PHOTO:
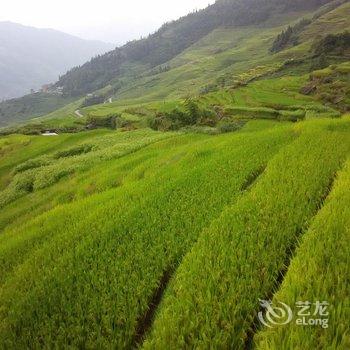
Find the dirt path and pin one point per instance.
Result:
(78, 114)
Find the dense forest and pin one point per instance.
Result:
(172, 38)
(333, 43)
(290, 36)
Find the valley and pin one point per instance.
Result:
(195, 174)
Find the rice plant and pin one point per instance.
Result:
(82, 275)
(214, 297)
(319, 272)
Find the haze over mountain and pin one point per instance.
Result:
(173, 38)
(31, 57)
(203, 51)
(110, 21)
(176, 191)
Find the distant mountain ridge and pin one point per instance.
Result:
(174, 37)
(31, 57)
(226, 43)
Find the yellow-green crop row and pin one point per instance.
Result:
(16, 149)
(41, 172)
(101, 176)
(83, 274)
(319, 272)
(109, 177)
(213, 300)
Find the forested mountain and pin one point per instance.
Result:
(31, 57)
(202, 51)
(195, 199)
(172, 38)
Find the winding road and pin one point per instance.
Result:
(78, 114)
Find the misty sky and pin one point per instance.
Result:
(115, 21)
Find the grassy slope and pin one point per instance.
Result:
(16, 149)
(155, 188)
(30, 106)
(227, 53)
(186, 182)
(99, 176)
(86, 240)
(42, 172)
(224, 50)
(231, 51)
(214, 297)
(323, 251)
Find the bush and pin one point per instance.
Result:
(104, 122)
(74, 151)
(332, 43)
(32, 164)
(292, 116)
(92, 100)
(230, 126)
(191, 114)
(208, 88)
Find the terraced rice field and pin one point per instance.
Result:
(323, 251)
(239, 259)
(167, 240)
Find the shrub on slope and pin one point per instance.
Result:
(42, 172)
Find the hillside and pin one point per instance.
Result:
(31, 57)
(220, 61)
(173, 38)
(161, 66)
(95, 224)
(196, 199)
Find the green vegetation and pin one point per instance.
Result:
(214, 296)
(330, 86)
(30, 106)
(41, 172)
(322, 252)
(195, 181)
(186, 184)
